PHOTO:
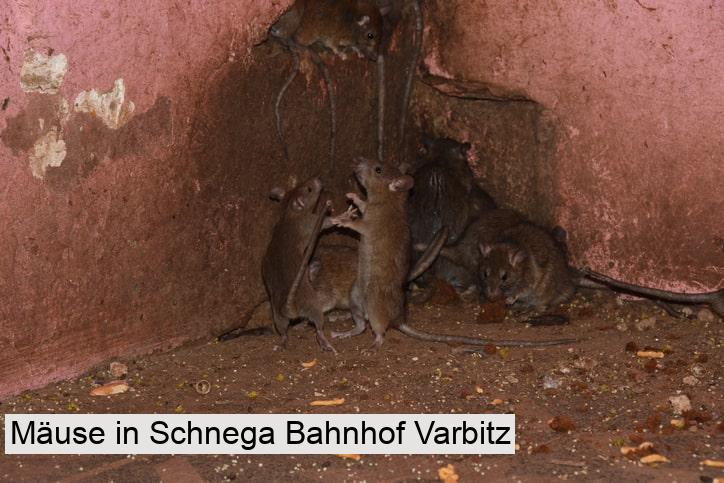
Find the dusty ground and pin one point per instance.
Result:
(611, 397)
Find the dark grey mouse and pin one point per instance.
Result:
(458, 262)
(287, 256)
(342, 27)
(377, 294)
(445, 194)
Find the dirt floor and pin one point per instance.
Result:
(577, 406)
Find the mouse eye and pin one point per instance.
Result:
(504, 276)
(309, 189)
(370, 35)
(378, 170)
(486, 273)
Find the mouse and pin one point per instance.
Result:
(330, 272)
(714, 299)
(313, 26)
(511, 259)
(287, 257)
(377, 294)
(525, 267)
(458, 263)
(445, 194)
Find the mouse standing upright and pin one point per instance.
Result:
(287, 257)
(378, 293)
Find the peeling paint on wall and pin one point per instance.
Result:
(43, 73)
(49, 150)
(109, 106)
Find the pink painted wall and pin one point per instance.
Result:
(149, 233)
(635, 94)
(130, 245)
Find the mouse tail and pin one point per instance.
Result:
(430, 255)
(676, 297)
(239, 330)
(280, 96)
(459, 339)
(306, 257)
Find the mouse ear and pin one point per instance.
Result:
(405, 168)
(277, 193)
(363, 20)
(402, 183)
(385, 9)
(516, 257)
(485, 249)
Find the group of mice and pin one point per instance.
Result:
(344, 28)
(448, 225)
(450, 220)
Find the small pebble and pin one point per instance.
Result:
(680, 403)
(690, 381)
(646, 324)
(706, 315)
(551, 382)
(118, 370)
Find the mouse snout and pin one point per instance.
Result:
(493, 294)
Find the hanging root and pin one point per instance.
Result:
(412, 68)
(280, 96)
(324, 71)
(380, 106)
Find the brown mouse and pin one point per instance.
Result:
(313, 26)
(287, 256)
(331, 273)
(526, 267)
(377, 294)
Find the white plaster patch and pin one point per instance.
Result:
(109, 106)
(49, 150)
(43, 73)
